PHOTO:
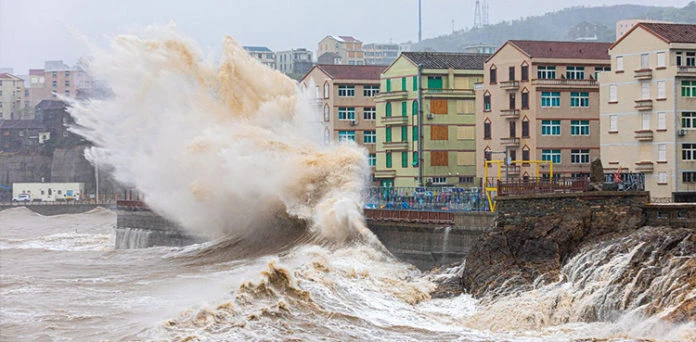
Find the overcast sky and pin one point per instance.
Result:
(32, 31)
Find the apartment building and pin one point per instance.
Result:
(426, 120)
(540, 101)
(262, 54)
(648, 108)
(380, 54)
(294, 62)
(346, 98)
(56, 79)
(12, 97)
(348, 48)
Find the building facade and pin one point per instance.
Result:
(263, 55)
(294, 62)
(54, 80)
(12, 97)
(539, 101)
(648, 107)
(345, 97)
(426, 120)
(380, 54)
(348, 48)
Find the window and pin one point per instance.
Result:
(67, 83)
(434, 82)
(579, 99)
(404, 159)
(403, 108)
(388, 83)
(387, 109)
(415, 159)
(579, 156)
(493, 75)
(511, 73)
(661, 60)
(415, 83)
(613, 123)
(346, 113)
(370, 137)
(525, 72)
(645, 90)
(466, 179)
(346, 90)
(403, 83)
(387, 134)
(525, 128)
(487, 130)
(487, 102)
(551, 127)
(661, 94)
(661, 121)
(599, 69)
(688, 88)
(327, 114)
(369, 113)
(54, 74)
(389, 160)
(27, 104)
(688, 120)
(689, 177)
(326, 90)
(414, 107)
(550, 99)
(67, 93)
(55, 84)
(644, 61)
(346, 136)
(525, 100)
(370, 90)
(579, 127)
(662, 178)
(546, 72)
(645, 122)
(404, 133)
(511, 101)
(525, 154)
(662, 152)
(575, 72)
(439, 180)
(613, 96)
(690, 59)
(372, 159)
(553, 156)
(688, 151)
(415, 133)
(619, 63)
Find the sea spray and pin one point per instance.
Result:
(217, 146)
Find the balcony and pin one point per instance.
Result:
(644, 104)
(511, 170)
(510, 113)
(645, 166)
(564, 83)
(510, 85)
(642, 74)
(510, 141)
(448, 93)
(392, 95)
(395, 120)
(644, 135)
(396, 146)
(385, 173)
(686, 71)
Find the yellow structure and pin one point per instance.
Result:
(426, 120)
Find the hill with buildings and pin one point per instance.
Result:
(575, 23)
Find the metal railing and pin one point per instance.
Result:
(530, 186)
(425, 198)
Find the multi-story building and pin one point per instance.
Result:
(539, 101)
(648, 108)
(426, 120)
(12, 97)
(348, 48)
(262, 54)
(56, 79)
(623, 26)
(18, 135)
(295, 62)
(380, 54)
(346, 98)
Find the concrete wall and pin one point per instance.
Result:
(58, 209)
(144, 228)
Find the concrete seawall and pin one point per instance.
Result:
(58, 209)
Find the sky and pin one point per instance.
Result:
(33, 31)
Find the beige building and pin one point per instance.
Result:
(648, 107)
(56, 79)
(426, 120)
(263, 55)
(346, 98)
(12, 97)
(347, 48)
(540, 102)
(623, 26)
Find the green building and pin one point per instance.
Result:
(426, 120)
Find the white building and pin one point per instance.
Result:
(48, 192)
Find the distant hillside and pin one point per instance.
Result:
(558, 25)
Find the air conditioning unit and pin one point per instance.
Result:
(430, 116)
(354, 122)
(682, 132)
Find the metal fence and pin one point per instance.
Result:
(627, 181)
(426, 198)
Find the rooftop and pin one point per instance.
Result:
(446, 60)
(352, 72)
(672, 33)
(257, 48)
(557, 49)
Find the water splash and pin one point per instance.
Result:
(217, 146)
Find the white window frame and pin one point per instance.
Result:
(644, 61)
(661, 60)
(546, 72)
(619, 63)
(551, 155)
(645, 121)
(688, 120)
(346, 113)
(552, 127)
(661, 120)
(613, 94)
(551, 96)
(613, 123)
(372, 159)
(662, 152)
(575, 72)
(579, 127)
(370, 137)
(661, 90)
(369, 113)
(326, 90)
(370, 90)
(688, 151)
(579, 156)
(327, 113)
(346, 90)
(662, 178)
(439, 180)
(344, 136)
(645, 90)
(581, 99)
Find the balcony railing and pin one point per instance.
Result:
(510, 141)
(644, 104)
(396, 145)
(510, 113)
(448, 93)
(385, 173)
(395, 120)
(643, 74)
(645, 166)
(509, 85)
(564, 82)
(644, 135)
(686, 71)
(392, 95)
